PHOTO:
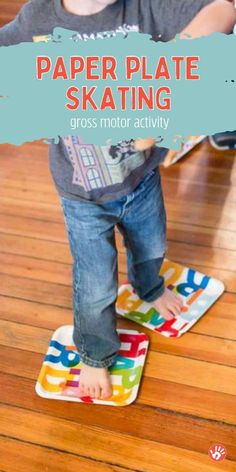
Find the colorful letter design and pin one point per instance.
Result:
(197, 290)
(59, 375)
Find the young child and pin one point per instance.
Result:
(107, 186)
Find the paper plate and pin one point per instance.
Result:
(59, 375)
(198, 291)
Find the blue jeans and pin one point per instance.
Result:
(140, 217)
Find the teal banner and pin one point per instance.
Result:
(117, 88)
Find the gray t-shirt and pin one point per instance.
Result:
(85, 171)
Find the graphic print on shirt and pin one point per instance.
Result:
(95, 166)
(123, 29)
(101, 166)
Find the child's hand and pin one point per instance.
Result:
(144, 144)
(217, 17)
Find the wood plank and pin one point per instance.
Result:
(102, 445)
(36, 248)
(180, 398)
(200, 235)
(198, 433)
(61, 253)
(221, 171)
(6, 18)
(36, 269)
(183, 191)
(25, 456)
(25, 191)
(54, 250)
(188, 172)
(188, 253)
(26, 185)
(210, 215)
(191, 170)
(159, 394)
(191, 372)
(44, 211)
(220, 320)
(164, 366)
(33, 228)
(195, 346)
(58, 272)
(179, 232)
(34, 313)
(11, 7)
(226, 276)
(36, 290)
(22, 290)
(40, 173)
(216, 321)
(19, 158)
(201, 255)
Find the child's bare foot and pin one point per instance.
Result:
(94, 382)
(168, 304)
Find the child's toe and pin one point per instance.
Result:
(167, 315)
(106, 392)
(175, 310)
(97, 392)
(91, 392)
(86, 391)
(81, 391)
(179, 301)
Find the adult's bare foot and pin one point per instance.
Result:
(168, 305)
(95, 383)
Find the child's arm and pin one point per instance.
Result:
(219, 16)
(20, 29)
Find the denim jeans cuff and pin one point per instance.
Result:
(98, 364)
(155, 294)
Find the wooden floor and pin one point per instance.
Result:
(187, 400)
